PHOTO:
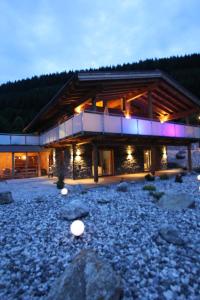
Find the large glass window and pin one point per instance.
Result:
(20, 164)
(32, 164)
(5, 164)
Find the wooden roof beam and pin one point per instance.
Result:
(177, 96)
(165, 103)
(182, 114)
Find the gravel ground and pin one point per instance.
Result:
(36, 245)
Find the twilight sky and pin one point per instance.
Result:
(46, 36)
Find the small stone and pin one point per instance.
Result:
(122, 187)
(74, 209)
(170, 235)
(6, 198)
(176, 201)
(168, 295)
(103, 200)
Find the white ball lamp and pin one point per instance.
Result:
(77, 228)
(64, 191)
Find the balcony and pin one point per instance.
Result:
(18, 139)
(114, 124)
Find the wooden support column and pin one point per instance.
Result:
(187, 121)
(94, 103)
(123, 104)
(39, 165)
(150, 106)
(189, 158)
(153, 159)
(73, 161)
(13, 164)
(95, 161)
(155, 162)
(26, 165)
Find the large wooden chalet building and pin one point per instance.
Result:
(104, 123)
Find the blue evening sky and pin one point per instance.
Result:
(46, 36)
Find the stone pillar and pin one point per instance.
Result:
(95, 161)
(60, 162)
(189, 157)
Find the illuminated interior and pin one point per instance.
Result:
(25, 164)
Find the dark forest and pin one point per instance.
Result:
(21, 100)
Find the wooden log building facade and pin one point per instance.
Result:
(105, 123)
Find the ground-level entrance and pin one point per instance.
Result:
(105, 162)
(105, 156)
(147, 159)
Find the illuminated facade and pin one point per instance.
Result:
(107, 123)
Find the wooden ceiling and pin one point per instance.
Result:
(168, 97)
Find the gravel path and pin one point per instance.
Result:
(36, 245)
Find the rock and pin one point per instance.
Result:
(156, 195)
(74, 209)
(122, 187)
(79, 188)
(103, 200)
(6, 198)
(39, 199)
(176, 201)
(88, 277)
(171, 235)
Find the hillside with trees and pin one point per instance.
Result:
(20, 101)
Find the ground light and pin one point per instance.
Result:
(198, 177)
(77, 228)
(64, 191)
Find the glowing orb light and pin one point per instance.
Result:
(198, 177)
(77, 228)
(64, 191)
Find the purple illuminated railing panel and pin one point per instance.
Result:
(103, 123)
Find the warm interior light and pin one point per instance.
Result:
(164, 153)
(77, 228)
(163, 118)
(64, 191)
(78, 109)
(23, 157)
(129, 156)
(127, 115)
(78, 152)
(77, 156)
(99, 103)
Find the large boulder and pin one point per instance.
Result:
(88, 277)
(6, 198)
(74, 209)
(176, 201)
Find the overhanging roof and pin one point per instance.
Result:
(168, 95)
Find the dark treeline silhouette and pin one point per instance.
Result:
(21, 100)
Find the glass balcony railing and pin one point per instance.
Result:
(115, 124)
(102, 123)
(18, 139)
